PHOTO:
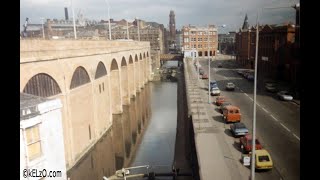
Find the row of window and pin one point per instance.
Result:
(199, 46)
(199, 33)
(199, 39)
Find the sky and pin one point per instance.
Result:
(195, 12)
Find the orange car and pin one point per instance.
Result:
(231, 114)
(220, 100)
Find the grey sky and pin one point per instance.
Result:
(195, 12)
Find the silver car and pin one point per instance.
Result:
(230, 86)
(285, 96)
(239, 129)
(215, 91)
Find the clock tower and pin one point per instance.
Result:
(172, 26)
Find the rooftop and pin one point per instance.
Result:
(29, 105)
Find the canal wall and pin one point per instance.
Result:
(209, 156)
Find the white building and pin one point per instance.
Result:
(41, 138)
(193, 53)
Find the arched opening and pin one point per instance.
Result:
(42, 85)
(79, 77)
(131, 78)
(136, 72)
(116, 98)
(125, 82)
(101, 70)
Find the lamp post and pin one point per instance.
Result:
(255, 93)
(208, 67)
(42, 27)
(74, 22)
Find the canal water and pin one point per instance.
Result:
(144, 134)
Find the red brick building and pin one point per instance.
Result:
(278, 53)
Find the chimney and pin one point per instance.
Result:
(66, 13)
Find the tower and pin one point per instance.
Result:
(245, 23)
(172, 26)
(66, 13)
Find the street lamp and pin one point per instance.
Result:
(109, 19)
(74, 22)
(208, 66)
(255, 93)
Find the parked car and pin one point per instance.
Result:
(204, 76)
(223, 105)
(215, 91)
(201, 71)
(220, 100)
(271, 87)
(230, 86)
(239, 129)
(213, 83)
(246, 143)
(263, 159)
(231, 114)
(284, 95)
(250, 77)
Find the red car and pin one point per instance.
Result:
(246, 143)
(220, 100)
(204, 76)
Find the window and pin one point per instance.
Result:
(99, 88)
(199, 46)
(103, 86)
(210, 33)
(33, 142)
(186, 39)
(205, 39)
(186, 33)
(263, 158)
(200, 33)
(199, 39)
(194, 46)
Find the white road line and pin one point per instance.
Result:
(258, 104)
(225, 77)
(241, 90)
(266, 110)
(246, 94)
(274, 118)
(250, 98)
(296, 136)
(285, 127)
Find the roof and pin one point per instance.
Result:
(232, 107)
(29, 105)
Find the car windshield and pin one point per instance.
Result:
(264, 158)
(240, 126)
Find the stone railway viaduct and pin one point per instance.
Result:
(93, 80)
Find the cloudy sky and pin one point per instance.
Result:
(195, 12)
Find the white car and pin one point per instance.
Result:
(230, 86)
(215, 91)
(284, 95)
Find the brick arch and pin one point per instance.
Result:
(136, 58)
(101, 70)
(114, 65)
(42, 85)
(123, 62)
(130, 60)
(80, 77)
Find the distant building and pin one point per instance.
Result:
(179, 40)
(196, 38)
(172, 27)
(41, 136)
(227, 43)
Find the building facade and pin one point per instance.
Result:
(196, 38)
(227, 43)
(41, 137)
(172, 26)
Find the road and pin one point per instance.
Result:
(277, 122)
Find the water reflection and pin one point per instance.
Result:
(118, 145)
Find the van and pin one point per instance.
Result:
(231, 114)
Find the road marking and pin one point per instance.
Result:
(296, 136)
(258, 104)
(251, 98)
(274, 118)
(285, 127)
(246, 94)
(225, 77)
(266, 110)
(241, 90)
